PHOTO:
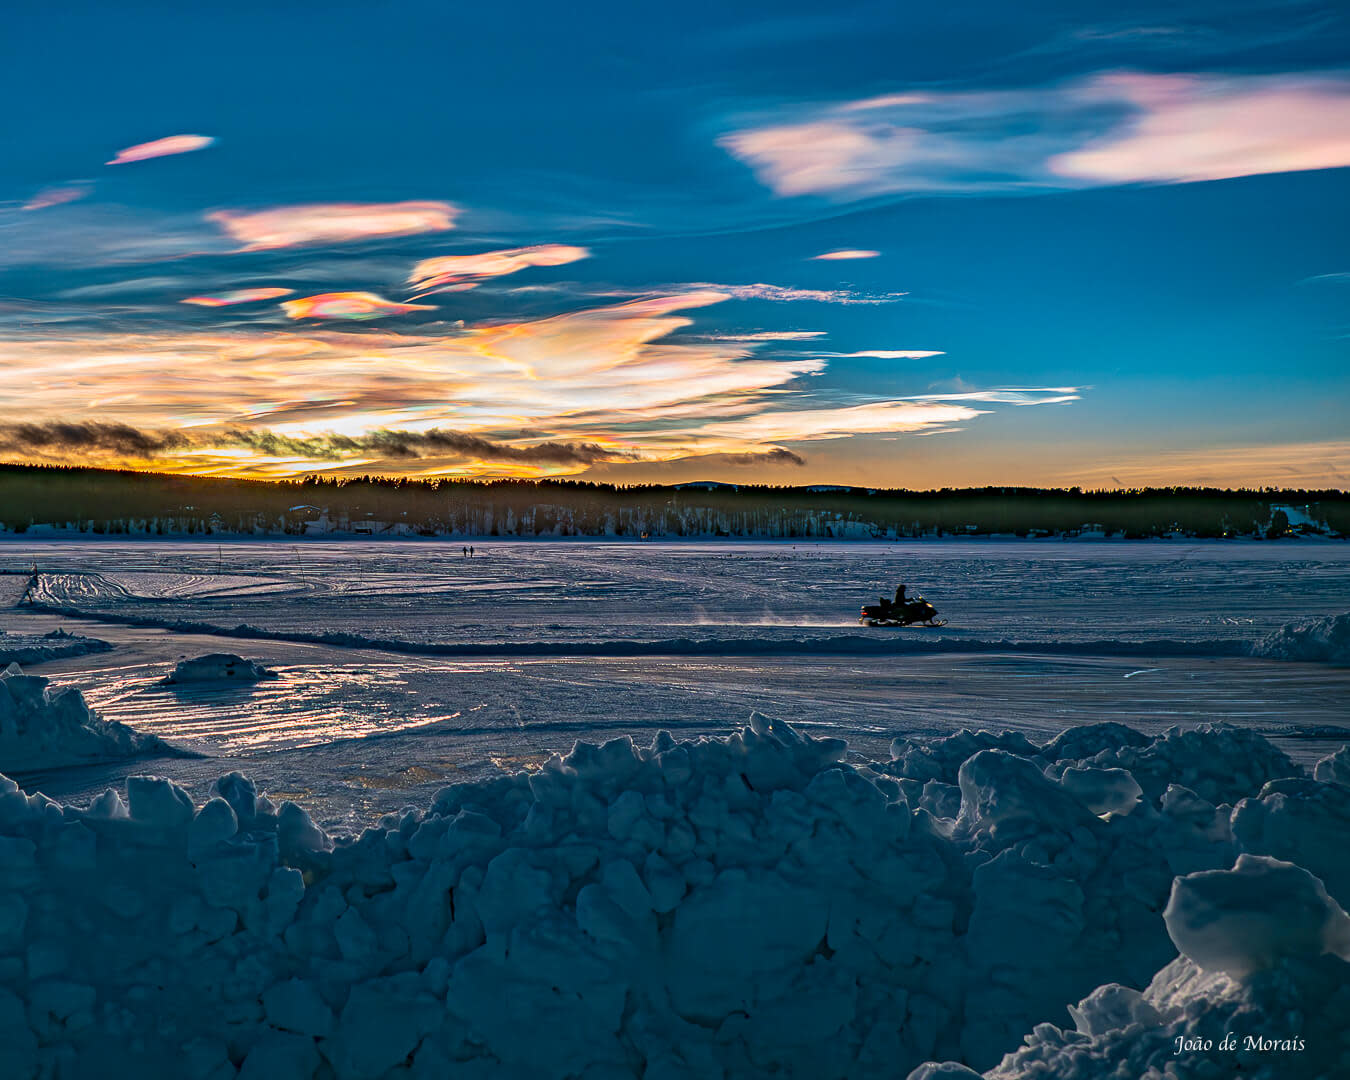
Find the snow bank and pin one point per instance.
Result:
(217, 667)
(42, 727)
(729, 907)
(35, 648)
(1313, 641)
(1261, 989)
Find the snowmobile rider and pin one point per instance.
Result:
(887, 605)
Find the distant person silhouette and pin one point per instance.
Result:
(465, 551)
(471, 551)
(900, 593)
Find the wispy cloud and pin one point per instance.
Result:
(348, 305)
(1111, 128)
(847, 253)
(448, 271)
(887, 354)
(786, 293)
(56, 196)
(331, 223)
(768, 335)
(811, 425)
(173, 144)
(1036, 395)
(237, 296)
(130, 286)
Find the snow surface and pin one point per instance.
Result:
(445, 667)
(46, 727)
(215, 668)
(1198, 599)
(728, 907)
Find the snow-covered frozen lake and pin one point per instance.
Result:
(406, 665)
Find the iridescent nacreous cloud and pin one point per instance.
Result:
(173, 144)
(446, 271)
(348, 305)
(237, 296)
(331, 223)
(847, 253)
(1108, 128)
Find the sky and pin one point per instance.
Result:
(885, 244)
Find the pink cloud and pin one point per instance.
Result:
(848, 253)
(348, 305)
(1191, 128)
(450, 271)
(173, 144)
(1110, 128)
(331, 223)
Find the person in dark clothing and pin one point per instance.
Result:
(900, 595)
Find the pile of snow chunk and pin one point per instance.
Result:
(731, 907)
(42, 727)
(217, 668)
(1311, 641)
(35, 648)
(1261, 989)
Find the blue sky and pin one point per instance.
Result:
(1084, 247)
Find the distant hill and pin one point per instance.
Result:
(51, 500)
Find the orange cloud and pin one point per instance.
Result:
(347, 305)
(173, 144)
(331, 223)
(449, 271)
(238, 296)
(609, 377)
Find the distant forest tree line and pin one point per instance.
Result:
(101, 501)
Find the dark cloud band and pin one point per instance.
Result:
(115, 438)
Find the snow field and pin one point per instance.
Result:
(727, 907)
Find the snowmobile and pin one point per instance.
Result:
(916, 611)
